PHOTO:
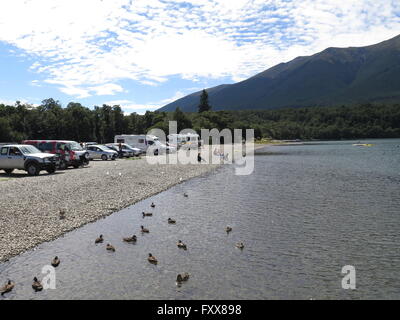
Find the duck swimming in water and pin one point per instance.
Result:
(7, 287)
(152, 205)
(130, 239)
(55, 262)
(36, 285)
(185, 195)
(228, 229)
(109, 247)
(182, 277)
(240, 245)
(144, 230)
(152, 259)
(171, 221)
(181, 245)
(99, 239)
(146, 214)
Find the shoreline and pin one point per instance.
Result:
(31, 216)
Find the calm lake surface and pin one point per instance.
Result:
(304, 213)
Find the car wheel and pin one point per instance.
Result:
(8, 171)
(33, 169)
(51, 170)
(104, 157)
(76, 166)
(62, 165)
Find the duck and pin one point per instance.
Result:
(144, 230)
(152, 259)
(146, 214)
(181, 245)
(99, 239)
(240, 245)
(109, 247)
(152, 205)
(182, 277)
(55, 262)
(130, 239)
(62, 214)
(185, 195)
(228, 229)
(36, 285)
(171, 221)
(7, 287)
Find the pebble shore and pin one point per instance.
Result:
(30, 206)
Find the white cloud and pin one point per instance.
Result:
(87, 47)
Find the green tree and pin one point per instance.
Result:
(204, 105)
(182, 120)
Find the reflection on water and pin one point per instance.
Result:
(306, 212)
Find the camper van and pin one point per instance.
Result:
(186, 141)
(143, 142)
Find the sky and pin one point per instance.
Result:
(143, 54)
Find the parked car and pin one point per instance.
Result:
(69, 152)
(101, 152)
(125, 152)
(26, 157)
(128, 149)
(143, 142)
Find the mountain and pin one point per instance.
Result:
(332, 77)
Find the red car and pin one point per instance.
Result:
(70, 152)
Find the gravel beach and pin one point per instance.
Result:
(30, 206)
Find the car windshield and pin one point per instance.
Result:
(104, 148)
(75, 146)
(29, 149)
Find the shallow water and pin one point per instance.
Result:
(304, 213)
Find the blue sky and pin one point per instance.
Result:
(143, 54)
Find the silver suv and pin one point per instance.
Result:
(26, 157)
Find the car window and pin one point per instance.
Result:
(151, 142)
(14, 151)
(45, 146)
(141, 140)
(4, 151)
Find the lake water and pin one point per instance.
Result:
(304, 213)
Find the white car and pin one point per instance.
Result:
(101, 152)
(26, 157)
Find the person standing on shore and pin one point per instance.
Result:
(199, 158)
(120, 150)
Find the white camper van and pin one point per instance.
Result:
(188, 140)
(143, 142)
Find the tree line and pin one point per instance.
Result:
(76, 122)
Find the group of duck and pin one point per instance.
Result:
(152, 259)
(37, 285)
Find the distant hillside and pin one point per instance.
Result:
(331, 77)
